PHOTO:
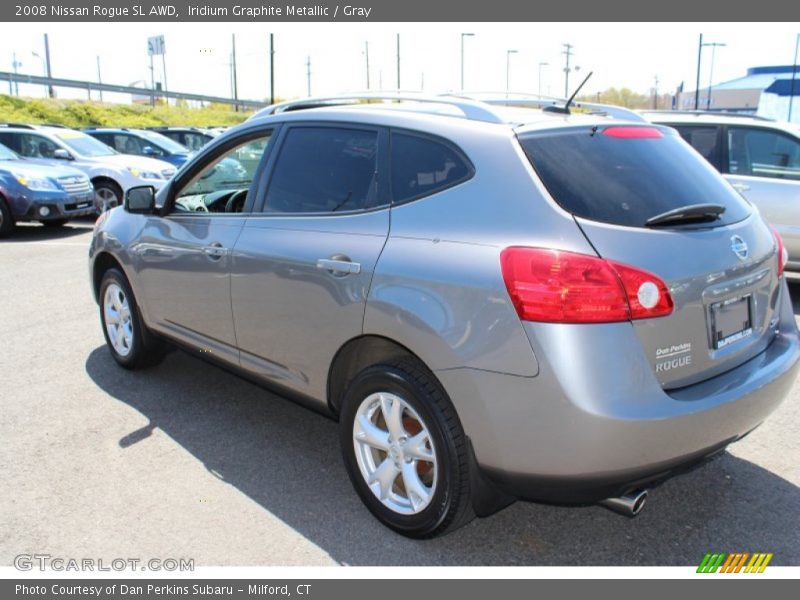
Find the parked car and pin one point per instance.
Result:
(190, 137)
(141, 142)
(32, 192)
(112, 174)
(759, 157)
(495, 303)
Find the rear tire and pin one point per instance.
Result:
(127, 337)
(6, 219)
(405, 450)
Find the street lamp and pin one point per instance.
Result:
(541, 64)
(713, 46)
(508, 68)
(463, 35)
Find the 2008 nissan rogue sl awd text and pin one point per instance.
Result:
(495, 302)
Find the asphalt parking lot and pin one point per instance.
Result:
(186, 460)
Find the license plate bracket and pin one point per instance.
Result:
(731, 321)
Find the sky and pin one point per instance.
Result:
(198, 55)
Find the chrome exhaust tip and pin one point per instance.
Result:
(630, 505)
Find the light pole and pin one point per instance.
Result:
(463, 35)
(508, 69)
(541, 64)
(15, 64)
(398, 62)
(99, 78)
(794, 76)
(714, 46)
(366, 55)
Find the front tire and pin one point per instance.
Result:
(6, 219)
(108, 195)
(405, 450)
(128, 339)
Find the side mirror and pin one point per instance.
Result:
(150, 151)
(62, 154)
(141, 200)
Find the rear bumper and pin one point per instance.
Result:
(595, 422)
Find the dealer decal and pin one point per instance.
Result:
(673, 357)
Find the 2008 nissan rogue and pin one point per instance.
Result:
(495, 302)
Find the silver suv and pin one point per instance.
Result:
(495, 302)
(112, 174)
(759, 157)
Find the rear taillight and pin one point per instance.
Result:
(783, 254)
(565, 287)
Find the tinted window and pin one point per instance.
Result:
(702, 139)
(422, 166)
(626, 181)
(763, 153)
(324, 169)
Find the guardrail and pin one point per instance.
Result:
(90, 86)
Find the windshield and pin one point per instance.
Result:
(6, 154)
(163, 142)
(627, 175)
(85, 145)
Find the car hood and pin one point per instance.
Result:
(29, 169)
(138, 162)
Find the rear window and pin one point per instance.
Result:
(627, 179)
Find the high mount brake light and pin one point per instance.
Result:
(633, 133)
(565, 287)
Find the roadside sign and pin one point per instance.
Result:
(155, 46)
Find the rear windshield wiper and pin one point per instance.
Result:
(691, 213)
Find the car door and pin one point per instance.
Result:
(303, 264)
(183, 257)
(764, 165)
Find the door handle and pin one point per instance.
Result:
(741, 187)
(341, 266)
(215, 251)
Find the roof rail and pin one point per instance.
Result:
(473, 110)
(17, 125)
(712, 113)
(616, 112)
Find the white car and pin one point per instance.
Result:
(759, 157)
(111, 173)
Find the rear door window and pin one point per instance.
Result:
(762, 153)
(626, 175)
(422, 166)
(324, 170)
(704, 140)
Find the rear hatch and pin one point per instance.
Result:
(718, 260)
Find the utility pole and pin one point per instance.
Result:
(99, 78)
(398, 62)
(271, 69)
(714, 46)
(50, 92)
(366, 55)
(794, 76)
(233, 73)
(15, 64)
(655, 94)
(697, 85)
(152, 83)
(463, 35)
(164, 70)
(567, 52)
(308, 75)
(541, 64)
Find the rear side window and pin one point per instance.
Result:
(626, 177)
(324, 169)
(762, 153)
(422, 166)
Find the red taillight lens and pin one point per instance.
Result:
(783, 254)
(565, 287)
(633, 133)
